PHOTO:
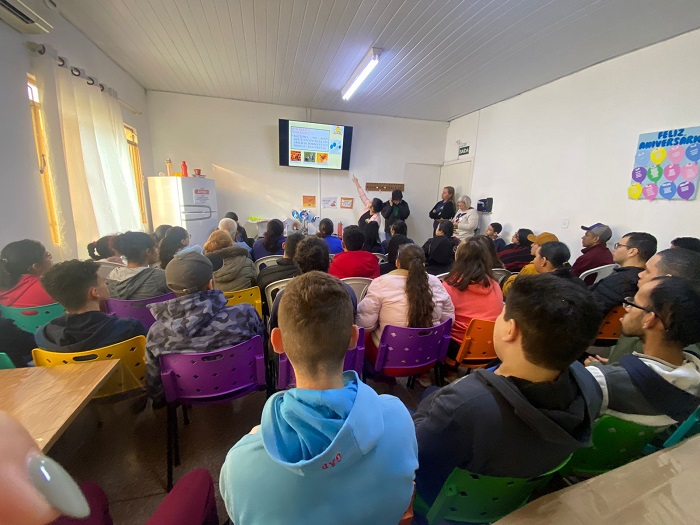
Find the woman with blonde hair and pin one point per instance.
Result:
(466, 220)
(238, 270)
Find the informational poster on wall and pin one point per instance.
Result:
(666, 165)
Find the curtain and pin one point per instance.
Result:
(89, 158)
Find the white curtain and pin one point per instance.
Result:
(89, 160)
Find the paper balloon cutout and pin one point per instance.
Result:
(654, 173)
(667, 190)
(689, 171)
(658, 155)
(672, 171)
(676, 154)
(686, 190)
(693, 152)
(639, 174)
(650, 191)
(634, 191)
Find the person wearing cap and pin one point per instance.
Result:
(197, 320)
(394, 210)
(529, 268)
(595, 253)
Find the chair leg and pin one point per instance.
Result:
(185, 415)
(411, 383)
(176, 438)
(170, 447)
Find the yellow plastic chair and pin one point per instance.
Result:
(249, 295)
(131, 354)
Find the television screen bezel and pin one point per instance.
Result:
(283, 127)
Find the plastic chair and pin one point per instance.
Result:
(359, 285)
(472, 498)
(501, 274)
(270, 260)
(610, 327)
(476, 350)
(411, 351)
(442, 276)
(6, 363)
(354, 359)
(106, 268)
(689, 428)
(272, 289)
(209, 378)
(130, 376)
(248, 295)
(137, 309)
(601, 272)
(382, 258)
(31, 319)
(616, 442)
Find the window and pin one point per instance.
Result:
(42, 157)
(133, 141)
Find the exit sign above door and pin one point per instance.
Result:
(463, 150)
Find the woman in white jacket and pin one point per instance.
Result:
(407, 296)
(466, 220)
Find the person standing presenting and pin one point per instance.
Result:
(394, 210)
(445, 209)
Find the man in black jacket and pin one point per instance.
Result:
(631, 253)
(394, 210)
(535, 410)
(285, 268)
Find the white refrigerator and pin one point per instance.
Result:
(189, 202)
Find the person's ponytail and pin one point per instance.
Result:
(92, 251)
(420, 298)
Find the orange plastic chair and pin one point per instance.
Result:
(131, 354)
(249, 295)
(610, 328)
(476, 350)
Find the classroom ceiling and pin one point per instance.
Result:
(441, 59)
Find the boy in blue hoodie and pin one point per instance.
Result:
(534, 410)
(330, 450)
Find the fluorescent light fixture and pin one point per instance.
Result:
(361, 73)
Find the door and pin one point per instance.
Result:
(421, 185)
(459, 176)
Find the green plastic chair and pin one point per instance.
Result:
(473, 498)
(5, 361)
(31, 319)
(616, 442)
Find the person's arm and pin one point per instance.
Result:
(363, 196)
(509, 282)
(386, 210)
(610, 291)
(434, 214)
(448, 211)
(403, 214)
(369, 308)
(471, 219)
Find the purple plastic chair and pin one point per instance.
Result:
(354, 359)
(137, 309)
(411, 351)
(209, 378)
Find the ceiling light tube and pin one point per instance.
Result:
(361, 73)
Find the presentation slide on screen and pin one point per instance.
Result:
(315, 145)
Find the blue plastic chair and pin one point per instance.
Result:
(31, 319)
(685, 430)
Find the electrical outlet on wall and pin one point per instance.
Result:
(565, 223)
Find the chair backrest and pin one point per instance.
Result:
(131, 354)
(685, 430)
(601, 272)
(477, 348)
(5, 361)
(442, 276)
(412, 349)
(249, 295)
(106, 268)
(137, 309)
(214, 377)
(615, 442)
(611, 326)
(272, 289)
(270, 260)
(501, 274)
(31, 319)
(359, 285)
(473, 498)
(354, 359)
(382, 258)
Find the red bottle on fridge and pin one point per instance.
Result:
(184, 169)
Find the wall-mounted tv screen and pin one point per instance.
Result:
(312, 145)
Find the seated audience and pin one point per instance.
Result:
(489, 246)
(137, 280)
(398, 228)
(285, 268)
(331, 450)
(242, 234)
(374, 207)
(397, 240)
(325, 232)
(159, 233)
(517, 254)
(354, 261)
(474, 292)
(531, 413)
(271, 243)
(466, 220)
(407, 296)
(440, 250)
(311, 255)
(197, 320)
(688, 243)
(230, 227)
(175, 240)
(651, 388)
(529, 268)
(492, 232)
(553, 258)
(595, 253)
(631, 254)
(81, 291)
(16, 343)
(103, 250)
(371, 243)
(238, 270)
(22, 263)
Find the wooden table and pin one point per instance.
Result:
(46, 400)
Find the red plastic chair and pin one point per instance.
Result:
(354, 360)
(408, 352)
(476, 350)
(137, 309)
(209, 378)
(611, 326)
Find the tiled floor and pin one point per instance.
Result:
(126, 456)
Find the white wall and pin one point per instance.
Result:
(236, 143)
(563, 153)
(21, 199)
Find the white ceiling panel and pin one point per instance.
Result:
(441, 58)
